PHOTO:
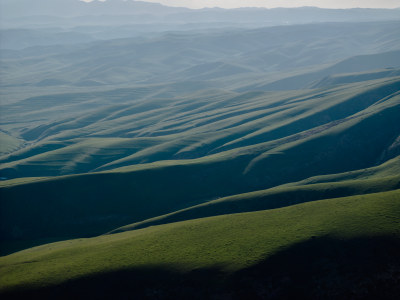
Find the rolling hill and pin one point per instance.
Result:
(336, 133)
(234, 163)
(148, 131)
(233, 255)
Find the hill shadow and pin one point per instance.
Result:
(319, 268)
(326, 268)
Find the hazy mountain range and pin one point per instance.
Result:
(72, 13)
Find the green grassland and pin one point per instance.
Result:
(242, 163)
(228, 243)
(340, 130)
(240, 145)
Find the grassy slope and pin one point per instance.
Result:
(371, 180)
(228, 243)
(189, 155)
(9, 143)
(153, 130)
(272, 198)
(91, 204)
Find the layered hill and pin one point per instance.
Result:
(207, 126)
(242, 163)
(248, 145)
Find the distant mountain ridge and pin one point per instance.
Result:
(76, 7)
(73, 8)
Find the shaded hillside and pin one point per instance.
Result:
(332, 131)
(345, 247)
(270, 199)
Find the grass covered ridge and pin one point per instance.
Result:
(226, 243)
(277, 197)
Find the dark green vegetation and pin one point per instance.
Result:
(228, 163)
(312, 250)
